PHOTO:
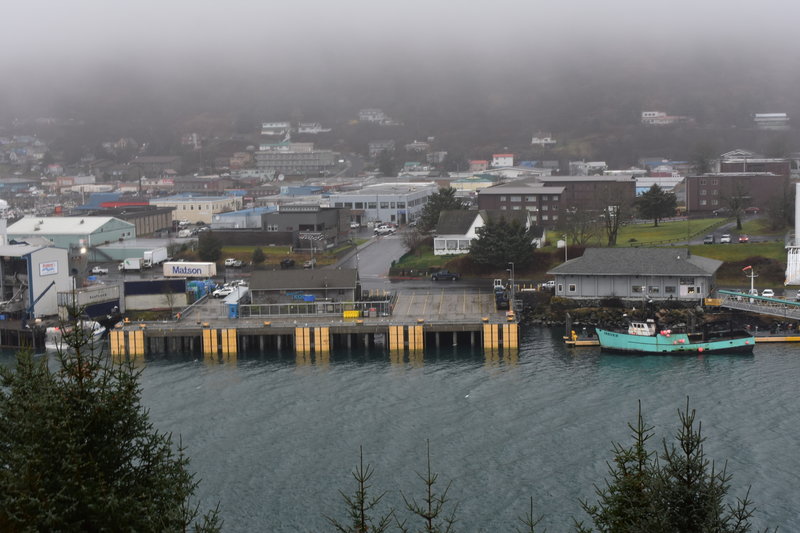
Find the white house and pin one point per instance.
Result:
(502, 160)
(456, 229)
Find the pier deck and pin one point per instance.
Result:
(452, 315)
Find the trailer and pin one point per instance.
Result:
(153, 257)
(182, 269)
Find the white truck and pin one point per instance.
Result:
(156, 256)
(132, 263)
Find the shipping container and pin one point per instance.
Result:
(189, 270)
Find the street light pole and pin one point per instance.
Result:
(565, 247)
(511, 271)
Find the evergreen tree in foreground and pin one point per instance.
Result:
(78, 452)
(681, 491)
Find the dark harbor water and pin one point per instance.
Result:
(275, 437)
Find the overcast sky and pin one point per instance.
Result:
(77, 44)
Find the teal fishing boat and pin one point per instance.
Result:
(642, 338)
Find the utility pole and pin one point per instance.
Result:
(511, 294)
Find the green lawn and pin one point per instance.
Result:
(740, 252)
(647, 233)
(760, 226)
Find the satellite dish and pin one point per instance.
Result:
(281, 177)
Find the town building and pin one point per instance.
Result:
(372, 115)
(294, 158)
(746, 161)
(636, 274)
(456, 229)
(771, 121)
(311, 128)
(243, 219)
(323, 285)
(543, 140)
(275, 129)
(64, 232)
(154, 166)
(196, 208)
(398, 202)
(711, 192)
(147, 219)
(30, 278)
(548, 196)
(478, 165)
(502, 160)
(660, 118)
(311, 226)
(376, 148)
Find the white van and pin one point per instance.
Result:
(185, 233)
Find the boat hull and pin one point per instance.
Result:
(674, 344)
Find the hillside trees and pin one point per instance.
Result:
(79, 453)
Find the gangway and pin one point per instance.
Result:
(760, 304)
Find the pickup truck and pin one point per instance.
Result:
(444, 274)
(385, 230)
(99, 270)
(234, 263)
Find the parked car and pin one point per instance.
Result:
(709, 239)
(725, 239)
(99, 270)
(444, 274)
(287, 263)
(222, 292)
(355, 225)
(233, 262)
(384, 230)
(769, 293)
(549, 284)
(311, 263)
(744, 239)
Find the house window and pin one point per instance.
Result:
(637, 289)
(392, 205)
(372, 205)
(560, 288)
(715, 192)
(571, 287)
(703, 192)
(401, 205)
(384, 205)
(545, 207)
(555, 217)
(554, 197)
(689, 290)
(714, 182)
(338, 204)
(686, 281)
(502, 198)
(703, 182)
(502, 208)
(439, 244)
(516, 207)
(544, 217)
(669, 289)
(530, 198)
(516, 198)
(359, 205)
(714, 202)
(652, 289)
(463, 244)
(702, 202)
